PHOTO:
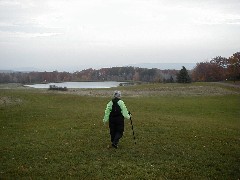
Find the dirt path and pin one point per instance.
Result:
(237, 85)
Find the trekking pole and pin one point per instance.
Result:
(132, 129)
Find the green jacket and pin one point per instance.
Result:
(109, 109)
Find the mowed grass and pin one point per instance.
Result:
(48, 135)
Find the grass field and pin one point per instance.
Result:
(182, 131)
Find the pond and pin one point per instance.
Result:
(104, 84)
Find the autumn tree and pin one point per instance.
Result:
(220, 61)
(215, 70)
(207, 71)
(233, 67)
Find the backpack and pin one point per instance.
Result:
(116, 110)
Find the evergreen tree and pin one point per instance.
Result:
(183, 77)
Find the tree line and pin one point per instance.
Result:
(217, 69)
(104, 74)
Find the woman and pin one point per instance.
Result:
(115, 113)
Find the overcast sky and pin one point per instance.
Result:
(76, 34)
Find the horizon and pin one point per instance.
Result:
(61, 35)
(161, 66)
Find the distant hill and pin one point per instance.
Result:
(27, 69)
(23, 69)
(6, 71)
(163, 66)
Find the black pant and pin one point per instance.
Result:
(116, 125)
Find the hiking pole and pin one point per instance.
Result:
(132, 129)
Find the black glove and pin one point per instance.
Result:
(129, 113)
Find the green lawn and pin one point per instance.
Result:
(47, 135)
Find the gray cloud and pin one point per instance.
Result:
(56, 33)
